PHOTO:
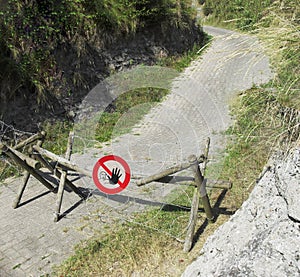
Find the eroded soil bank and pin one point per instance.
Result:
(80, 73)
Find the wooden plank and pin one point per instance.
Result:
(30, 140)
(167, 172)
(62, 161)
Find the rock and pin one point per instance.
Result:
(263, 237)
(289, 184)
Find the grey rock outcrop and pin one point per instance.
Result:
(263, 237)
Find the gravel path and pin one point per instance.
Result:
(30, 243)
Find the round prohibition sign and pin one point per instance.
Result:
(101, 163)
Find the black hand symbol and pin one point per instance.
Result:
(115, 176)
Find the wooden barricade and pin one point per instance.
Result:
(33, 162)
(200, 192)
(39, 157)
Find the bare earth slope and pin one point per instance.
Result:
(197, 107)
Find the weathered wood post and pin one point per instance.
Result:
(21, 190)
(200, 191)
(63, 177)
(203, 192)
(194, 207)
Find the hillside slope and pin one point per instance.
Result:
(54, 52)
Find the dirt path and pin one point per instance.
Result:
(30, 243)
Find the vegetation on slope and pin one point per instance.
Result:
(32, 31)
(238, 13)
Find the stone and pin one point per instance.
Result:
(289, 184)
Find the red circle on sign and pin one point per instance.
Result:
(101, 163)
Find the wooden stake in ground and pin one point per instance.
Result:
(63, 177)
(200, 191)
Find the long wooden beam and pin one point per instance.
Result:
(31, 162)
(167, 172)
(64, 162)
(30, 140)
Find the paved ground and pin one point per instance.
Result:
(30, 243)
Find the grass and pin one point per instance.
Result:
(57, 136)
(145, 245)
(8, 169)
(238, 13)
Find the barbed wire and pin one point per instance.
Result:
(8, 133)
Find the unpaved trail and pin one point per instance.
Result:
(196, 108)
